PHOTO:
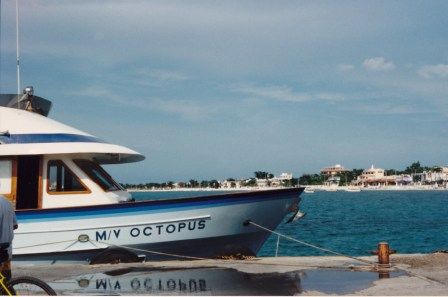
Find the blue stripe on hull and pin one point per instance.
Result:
(155, 206)
(47, 138)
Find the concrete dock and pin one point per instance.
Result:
(416, 274)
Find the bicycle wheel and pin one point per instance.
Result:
(27, 285)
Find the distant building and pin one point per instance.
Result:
(333, 170)
(284, 176)
(374, 177)
(403, 179)
(332, 173)
(433, 177)
(276, 181)
(228, 184)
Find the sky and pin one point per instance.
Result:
(220, 89)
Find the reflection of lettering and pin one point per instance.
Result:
(135, 284)
(202, 285)
(117, 285)
(193, 286)
(101, 283)
(171, 284)
(146, 285)
(182, 286)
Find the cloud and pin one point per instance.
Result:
(187, 109)
(378, 64)
(385, 108)
(346, 67)
(428, 71)
(284, 93)
(162, 75)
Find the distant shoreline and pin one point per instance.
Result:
(313, 187)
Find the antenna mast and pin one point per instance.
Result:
(17, 48)
(0, 46)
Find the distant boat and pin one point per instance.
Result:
(353, 189)
(331, 189)
(308, 190)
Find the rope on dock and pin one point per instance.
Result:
(310, 245)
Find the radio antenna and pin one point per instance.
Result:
(17, 47)
(0, 46)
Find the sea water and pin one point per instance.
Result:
(354, 222)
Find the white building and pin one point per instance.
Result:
(436, 177)
(276, 181)
(374, 177)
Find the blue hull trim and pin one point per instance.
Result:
(47, 138)
(155, 206)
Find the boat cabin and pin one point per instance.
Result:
(46, 164)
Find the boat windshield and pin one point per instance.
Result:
(98, 175)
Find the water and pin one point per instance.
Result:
(354, 223)
(215, 282)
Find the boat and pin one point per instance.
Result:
(352, 189)
(331, 189)
(70, 209)
(308, 190)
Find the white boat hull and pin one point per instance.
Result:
(209, 226)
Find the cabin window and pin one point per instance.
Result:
(61, 180)
(5, 176)
(98, 175)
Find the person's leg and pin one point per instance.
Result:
(6, 269)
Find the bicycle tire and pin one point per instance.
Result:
(28, 285)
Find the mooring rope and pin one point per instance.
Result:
(340, 254)
(309, 244)
(48, 243)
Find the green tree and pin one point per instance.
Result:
(214, 184)
(251, 182)
(311, 179)
(263, 175)
(414, 168)
(193, 183)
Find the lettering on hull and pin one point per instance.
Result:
(152, 230)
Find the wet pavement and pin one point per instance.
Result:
(216, 281)
(282, 276)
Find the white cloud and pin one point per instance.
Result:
(378, 64)
(187, 109)
(165, 75)
(428, 71)
(385, 108)
(346, 67)
(284, 93)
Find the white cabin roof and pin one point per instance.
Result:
(27, 133)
